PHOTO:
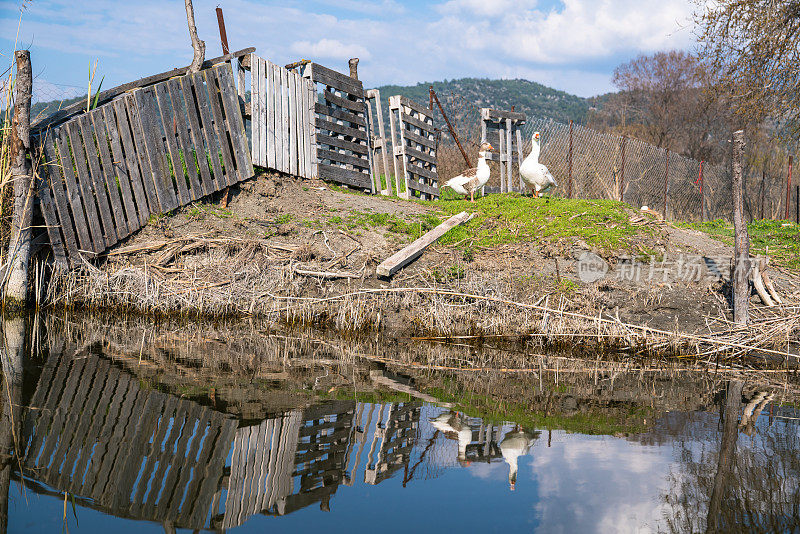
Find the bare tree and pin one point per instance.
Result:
(752, 47)
(198, 45)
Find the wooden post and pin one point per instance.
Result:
(483, 140)
(569, 166)
(500, 156)
(19, 247)
(788, 189)
(509, 160)
(198, 46)
(666, 180)
(353, 63)
(622, 171)
(519, 156)
(740, 281)
(223, 35)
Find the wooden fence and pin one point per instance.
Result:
(502, 129)
(392, 442)
(93, 432)
(282, 111)
(378, 145)
(414, 142)
(104, 173)
(342, 143)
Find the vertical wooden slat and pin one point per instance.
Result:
(286, 166)
(70, 131)
(60, 198)
(118, 384)
(98, 184)
(292, 107)
(177, 99)
(256, 143)
(114, 164)
(191, 98)
(312, 121)
(99, 124)
(520, 157)
(231, 174)
(127, 162)
(140, 151)
(164, 106)
(234, 122)
(270, 105)
(208, 130)
(152, 135)
(279, 163)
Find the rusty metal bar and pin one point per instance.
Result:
(223, 35)
(450, 126)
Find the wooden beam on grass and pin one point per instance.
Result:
(405, 256)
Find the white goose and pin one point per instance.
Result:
(455, 426)
(472, 179)
(534, 173)
(515, 444)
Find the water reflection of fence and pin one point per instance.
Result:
(93, 431)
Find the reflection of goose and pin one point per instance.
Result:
(515, 444)
(455, 426)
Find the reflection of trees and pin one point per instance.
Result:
(730, 483)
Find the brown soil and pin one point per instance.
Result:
(276, 225)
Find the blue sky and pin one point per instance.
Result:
(572, 45)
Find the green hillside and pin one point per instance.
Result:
(531, 98)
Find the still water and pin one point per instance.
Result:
(105, 437)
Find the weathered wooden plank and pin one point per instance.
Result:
(291, 87)
(421, 139)
(235, 122)
(345, 176)
(207, 127)
(342, 158)
(176, 99)
(153, 134)
(340, 114)
(114, 92)
(104, 451)
(326, 140)
(286, 119)
(141, 154)
(161, 93)
(118, 170)
(417, 123)
(207, 181)
(419, 108)
(335, 79)
(97, 119)
(55, 184)
(421, 171)
(411, 252)
(130, 162)
(497, 115)
(326, 125)
(72, 132)
(51, 221)
(308, 119)
(421, 155)
(220, 130)
(98, 184)
(352, 105)
(416, 185)
(300, 123)
(271, 106)
(256, 123)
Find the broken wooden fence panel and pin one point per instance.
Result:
(408, 254)
(414, 148)
(163, 146)
(340, 128)
(377, 138)
(281, 134)
(502, 129)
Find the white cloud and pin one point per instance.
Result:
(330, 49)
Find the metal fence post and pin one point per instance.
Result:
(666, 180)
(788, 189)
(622, 172)
(569, 182)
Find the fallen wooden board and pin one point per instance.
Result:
(405, 256)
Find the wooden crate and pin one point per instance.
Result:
(342, 144)
(105, 172)
(414, 142)
(281, 115)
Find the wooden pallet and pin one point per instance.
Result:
(414, 142)
(104, 173)
(282, 112)
(342, 143)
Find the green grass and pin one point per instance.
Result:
(781, 237)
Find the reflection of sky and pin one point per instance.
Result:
(578, 484)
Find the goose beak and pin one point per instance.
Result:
(491, 147)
